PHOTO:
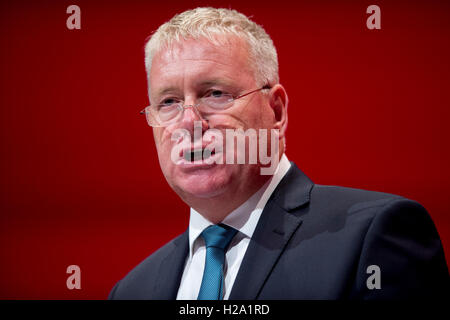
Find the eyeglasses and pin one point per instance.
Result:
(171, 110)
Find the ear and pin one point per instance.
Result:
(279, 104)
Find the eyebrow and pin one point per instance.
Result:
(213, 82)
(202, 84)
(167, 90)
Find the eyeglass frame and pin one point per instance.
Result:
(194, 107)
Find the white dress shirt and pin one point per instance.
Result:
(244, 219)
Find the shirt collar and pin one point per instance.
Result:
(246, 216)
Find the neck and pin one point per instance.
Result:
(216, 209)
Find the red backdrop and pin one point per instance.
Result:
(79, 178)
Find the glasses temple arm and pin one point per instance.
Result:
(246, 94)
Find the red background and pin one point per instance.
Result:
(79, 178)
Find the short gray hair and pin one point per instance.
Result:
(208, 22)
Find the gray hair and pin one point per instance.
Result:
(208, 22)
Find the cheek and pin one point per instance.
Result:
(258, 115)
(163, 148)
(157, 138)
(225, 121)
(162, 140)
(256, 120)
(266, 117)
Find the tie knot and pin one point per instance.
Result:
(218, 236)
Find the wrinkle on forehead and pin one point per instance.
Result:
(204, 50)
(202, 57)
(207, 45)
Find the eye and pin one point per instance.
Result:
(216, 94)
(217, 99)
(168, 109)
(168, 102)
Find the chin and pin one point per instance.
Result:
(203, 193)
(202, 184)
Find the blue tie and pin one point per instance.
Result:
(217, 238)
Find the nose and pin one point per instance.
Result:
(190, 113)
(192, 118)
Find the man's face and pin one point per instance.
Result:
(188, 71)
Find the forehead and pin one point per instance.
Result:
(192, 61)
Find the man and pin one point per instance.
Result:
(254, 235)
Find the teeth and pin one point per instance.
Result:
(187, 156)
(198, 155)
(193, 155)
(207, 153)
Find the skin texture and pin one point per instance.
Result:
(189, 69)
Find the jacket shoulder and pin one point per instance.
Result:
(344, 195)
(139, 282)
(395, 234)
(349, 201)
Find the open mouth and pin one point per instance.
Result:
(198, 154)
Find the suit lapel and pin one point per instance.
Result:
(171, 269)
(275, 227)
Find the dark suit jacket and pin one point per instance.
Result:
(316, 242)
